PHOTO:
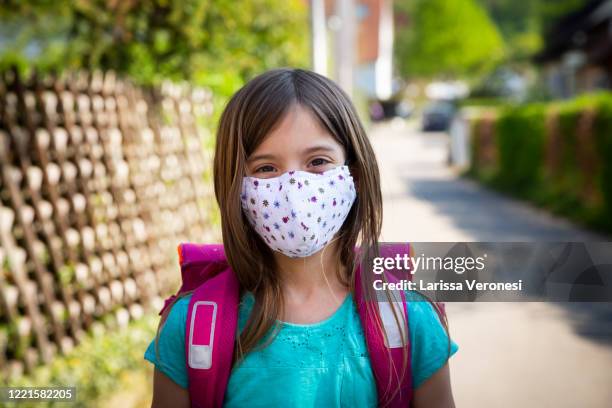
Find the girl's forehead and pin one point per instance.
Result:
(299, 129)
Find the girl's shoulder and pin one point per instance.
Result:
(431, 345)
(168, 355)
(182, 303)
(177, 315)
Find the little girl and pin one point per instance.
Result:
(300, 342)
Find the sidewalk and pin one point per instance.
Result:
(510, 354)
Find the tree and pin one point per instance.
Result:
(523, 23)
(219, 43)
(446, 38)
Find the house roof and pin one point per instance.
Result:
(580, 29)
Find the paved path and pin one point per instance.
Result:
(510, 354)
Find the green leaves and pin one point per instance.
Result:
(66, 274)
(98, 365)
(523, 24)
(215, 43)
(520, 144)
(469, 37)
(557, 155)
(447, 38)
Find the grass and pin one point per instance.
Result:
(107, 368)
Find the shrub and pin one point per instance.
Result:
(98, 366)
(603, 140)
(520, 140)
(558, 155)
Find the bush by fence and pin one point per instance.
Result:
(99, 180)
(558, 155)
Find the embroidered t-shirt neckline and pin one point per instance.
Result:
(328, 320)
(335, 315)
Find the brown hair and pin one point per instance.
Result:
(250, 115)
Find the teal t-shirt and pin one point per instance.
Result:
(320, 364)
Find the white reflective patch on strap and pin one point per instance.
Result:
(396, 336)
(200, 356)
(203, 319)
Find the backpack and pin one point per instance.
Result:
(212, 320)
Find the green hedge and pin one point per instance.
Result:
(542, 151)
(520, 152)
(569, 174)
(603, 130)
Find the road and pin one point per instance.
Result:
(510, 354)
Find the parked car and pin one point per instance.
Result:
(383, 110)
(437, 116)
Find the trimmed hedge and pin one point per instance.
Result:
(558, 155)
(603, 128)
(520, 153)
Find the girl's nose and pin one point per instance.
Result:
(293, 166)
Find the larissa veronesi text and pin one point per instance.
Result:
(470, 284)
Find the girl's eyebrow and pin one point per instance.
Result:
(264, 156)
(268, 156)
(324, 148)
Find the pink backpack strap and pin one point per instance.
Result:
(198, 264)
(387, 359)
(212, 320)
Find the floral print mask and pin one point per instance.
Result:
(298, 212)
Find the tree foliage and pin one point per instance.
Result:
(446, 38)
(524, 23)
(467, 37)
(219, 43)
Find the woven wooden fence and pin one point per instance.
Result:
(99, 181)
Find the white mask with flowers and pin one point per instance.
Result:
(298, 212)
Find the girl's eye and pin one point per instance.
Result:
(319, 161)
(264, 169)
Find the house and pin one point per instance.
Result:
(577, 56)
(374, 71)
(353, 44)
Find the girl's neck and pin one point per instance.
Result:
(308, 278)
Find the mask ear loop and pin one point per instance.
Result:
(346, 163)
(323, 271)
(338, 302)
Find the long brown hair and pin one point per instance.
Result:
(250, 115)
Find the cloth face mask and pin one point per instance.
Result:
(298, 212)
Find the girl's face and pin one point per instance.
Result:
(299, 142)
